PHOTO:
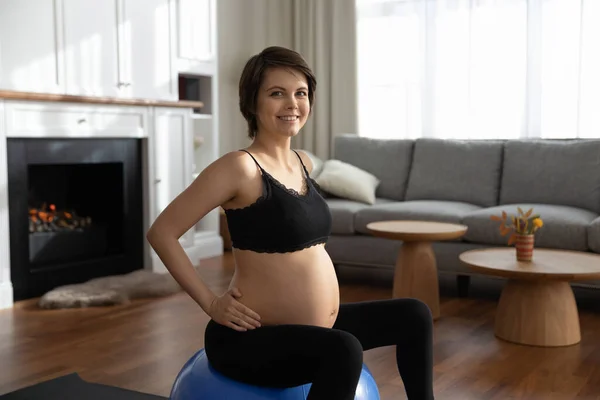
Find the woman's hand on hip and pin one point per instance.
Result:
(227, 311)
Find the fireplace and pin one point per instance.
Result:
(75, 211)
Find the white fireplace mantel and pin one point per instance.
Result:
(166, 131)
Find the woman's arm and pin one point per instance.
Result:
(217, 184)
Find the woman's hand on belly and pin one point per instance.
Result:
(228, 311)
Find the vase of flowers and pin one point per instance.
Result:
(522, 229)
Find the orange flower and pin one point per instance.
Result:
(522, 224)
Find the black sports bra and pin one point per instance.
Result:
(281, 220)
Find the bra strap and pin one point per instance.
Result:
(265, 186)
(246, 151)
(303, 166)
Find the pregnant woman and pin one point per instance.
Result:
(281, 324)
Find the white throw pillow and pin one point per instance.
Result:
(348, 181)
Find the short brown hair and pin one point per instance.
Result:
(253, 74)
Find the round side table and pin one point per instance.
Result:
(416, 272)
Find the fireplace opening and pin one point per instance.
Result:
(75, 211)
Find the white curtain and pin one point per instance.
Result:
(324, 32)
(480, 69)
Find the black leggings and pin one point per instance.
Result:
(330, 359)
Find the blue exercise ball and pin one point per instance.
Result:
(197, 380)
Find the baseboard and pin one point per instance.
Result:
(206, 245)
(6, 295)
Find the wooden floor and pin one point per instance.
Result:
(143, 345)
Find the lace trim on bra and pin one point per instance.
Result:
(290, 249)
(259, 200)
(305, 188)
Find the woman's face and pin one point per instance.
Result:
(282, 102)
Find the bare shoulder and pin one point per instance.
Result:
(234, 164)
(306, 160)
(233, 169)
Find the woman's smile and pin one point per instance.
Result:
(289, 118)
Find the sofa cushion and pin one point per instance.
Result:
(594, 235)
(565, 172)
(348, 181)
(456, 170)
(564, 227)
(343, 213)
(387, 159)
(363, 250)
(424, 210)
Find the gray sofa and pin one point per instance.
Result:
(466, 182)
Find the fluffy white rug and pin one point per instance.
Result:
(111, 290)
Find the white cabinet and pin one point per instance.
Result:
(30, 50)
(91, 48)
(171, 171)
(194, 19)
(108, 48)
(118, 48)
(145, 48)
(195, 35)
(173, 154)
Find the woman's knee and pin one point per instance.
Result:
(346, 349)
(419, 314)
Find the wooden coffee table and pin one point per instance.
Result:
(537, 306)
(416, 272)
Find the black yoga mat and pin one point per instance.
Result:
(72, 387)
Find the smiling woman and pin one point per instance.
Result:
(283, 110)
(276, 86)
(281, 323)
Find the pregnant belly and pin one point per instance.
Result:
(293, 288)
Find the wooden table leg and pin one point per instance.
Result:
(416, 275)
(538, 313)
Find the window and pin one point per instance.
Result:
(478, 68)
